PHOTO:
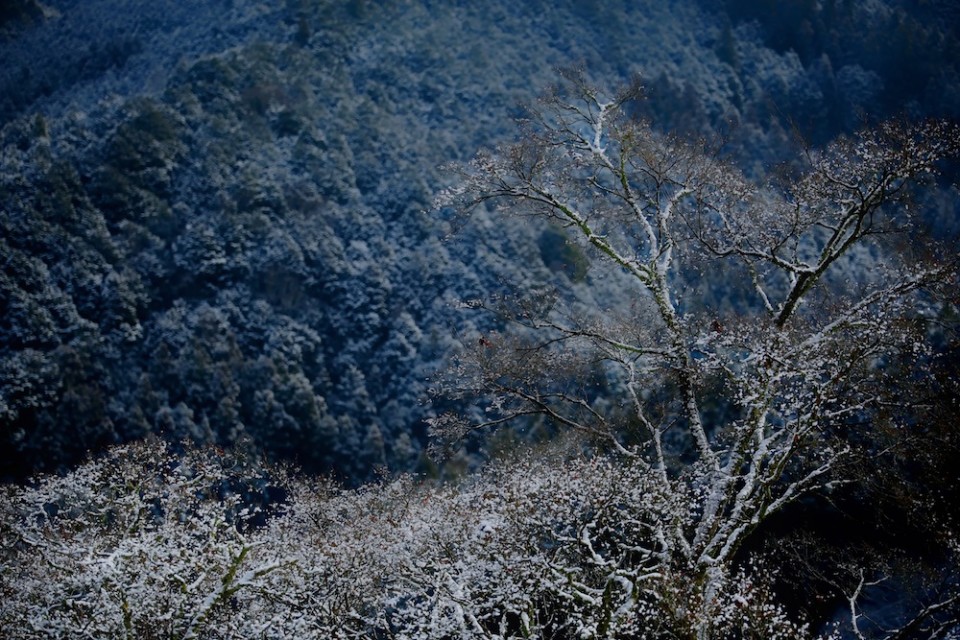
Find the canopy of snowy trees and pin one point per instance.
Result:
(143, 543)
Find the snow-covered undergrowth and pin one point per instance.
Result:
(143, 543)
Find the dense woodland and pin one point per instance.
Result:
(266, 227)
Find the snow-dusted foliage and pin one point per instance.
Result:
(144, 544)
(214, 226)
(139, 543)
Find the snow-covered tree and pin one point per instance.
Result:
(139, 543)
(737, 399)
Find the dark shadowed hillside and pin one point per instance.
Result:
(217, 217)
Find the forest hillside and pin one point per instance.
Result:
(218, 217)
(400, 319)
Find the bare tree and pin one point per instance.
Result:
(795, 362)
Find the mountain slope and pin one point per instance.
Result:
(217, 217)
